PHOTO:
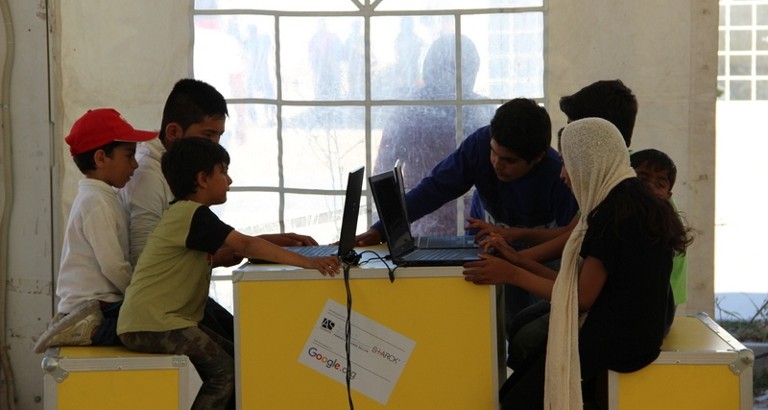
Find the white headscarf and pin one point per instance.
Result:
(596, 159)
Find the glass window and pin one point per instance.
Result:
(761, 40)
(741, 15)
(277, 5)
(721, 46)
(761, 65)
(741, 90)
(720, 65)
(316, 89)
(761, 13)
(388, 5)
(741, 40)
(761, 90)
(741, 65)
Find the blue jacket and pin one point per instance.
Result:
(540, 198)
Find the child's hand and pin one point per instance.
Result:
(483, 228)
(489, 270)
(496, 242)
(327, 265)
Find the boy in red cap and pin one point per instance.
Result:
(94, 269)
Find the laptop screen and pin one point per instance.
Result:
(386, 193)
(351, 212)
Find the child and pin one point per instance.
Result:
(659, 173)
(516, 175)
(615, 266)
(193, 108)
(94, 269)
(165, 301)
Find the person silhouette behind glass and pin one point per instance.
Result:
(433, 127)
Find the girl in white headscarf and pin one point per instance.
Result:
(615, 272)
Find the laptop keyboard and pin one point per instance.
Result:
(314, 251)
(432, 254)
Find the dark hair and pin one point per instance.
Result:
(186, 158)
(85, 161)
(608, 99)
(661, 223)
(190, 102)
(523, 127)
(657, 160)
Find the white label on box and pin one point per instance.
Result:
(378, 354)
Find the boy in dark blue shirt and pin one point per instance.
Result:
(515, 172)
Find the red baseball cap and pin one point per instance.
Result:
(100, 127)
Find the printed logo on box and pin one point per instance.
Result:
(378, 354)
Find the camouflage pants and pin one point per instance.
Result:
(212, 355)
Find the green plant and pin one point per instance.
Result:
(754, 329)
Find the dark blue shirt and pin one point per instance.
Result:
(539, 198)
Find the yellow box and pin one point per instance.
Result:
(456, 362)
(85, 377)
(700, 367)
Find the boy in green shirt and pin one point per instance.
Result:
(165, 300)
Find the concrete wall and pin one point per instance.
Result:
(128, 54)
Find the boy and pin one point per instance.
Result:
(193, 108)
(607, 99)
(166, 298)
(94, 268)
(515, 172)
(657, 170)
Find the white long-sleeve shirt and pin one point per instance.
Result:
(94, 256)
(145, 196)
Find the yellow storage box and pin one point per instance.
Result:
(700, 367)
(85, 377)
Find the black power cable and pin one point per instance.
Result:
(353, 259)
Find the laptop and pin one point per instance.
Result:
(402, 246)
(435, 242)
(345, 248)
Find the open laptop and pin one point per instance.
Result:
(345, 248)
(401, 244)
(435, 242)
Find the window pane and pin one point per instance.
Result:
(239, 212)
(320, 215)
(762, 15)
(236, 54)
(720, 65)
(251, 140)
(741, 40)
(721, 40)
(741, 15)
(326, 49)
(284, 5)
(761, 65)
(761, 40)
(722, 15)
(761, 90)
(418, 62)
(741, 65)
(219, 57)
(322, 144)
(741, 90)
(511, 48)
(454, 4)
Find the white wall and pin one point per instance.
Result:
(128, 54)
(667, 53)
